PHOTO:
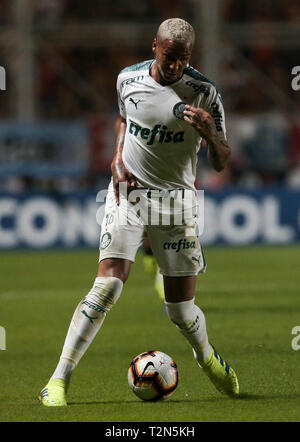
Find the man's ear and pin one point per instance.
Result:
(154, 45)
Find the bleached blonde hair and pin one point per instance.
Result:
(177, 30)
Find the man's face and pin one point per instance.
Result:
(171, 59)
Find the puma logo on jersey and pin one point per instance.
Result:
(159, 133)
(134, 102)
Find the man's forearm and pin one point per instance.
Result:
(218, 153)
(119, 144)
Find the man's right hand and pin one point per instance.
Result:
(121, 174)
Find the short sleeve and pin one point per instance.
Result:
(121, 103)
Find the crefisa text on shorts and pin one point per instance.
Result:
(150, 431)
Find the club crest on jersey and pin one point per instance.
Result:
(178, 110)
(159, 133)
(105, 240)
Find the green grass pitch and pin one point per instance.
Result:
(251, 300)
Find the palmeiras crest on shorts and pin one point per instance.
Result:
(105, 240)
(178, 110)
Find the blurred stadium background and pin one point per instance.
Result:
(57, 131)
(58, 111)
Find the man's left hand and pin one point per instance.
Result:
(202, 121)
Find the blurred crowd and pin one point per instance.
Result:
(255, 83)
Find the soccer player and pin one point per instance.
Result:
(150, 263)
(167, 107)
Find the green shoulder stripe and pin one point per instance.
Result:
(138, 67)
(197, 75)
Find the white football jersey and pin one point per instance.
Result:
(160, 148)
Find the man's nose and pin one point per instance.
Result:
(176, 65)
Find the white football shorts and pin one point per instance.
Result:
(176, 247)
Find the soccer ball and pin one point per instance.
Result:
(153, 376)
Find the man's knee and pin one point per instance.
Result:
(104, 293)
(114, 267)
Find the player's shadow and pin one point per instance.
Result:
(246, 396)
(240, 397)
(103, 402)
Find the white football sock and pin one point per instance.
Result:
(86, 322)
(190, 321)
